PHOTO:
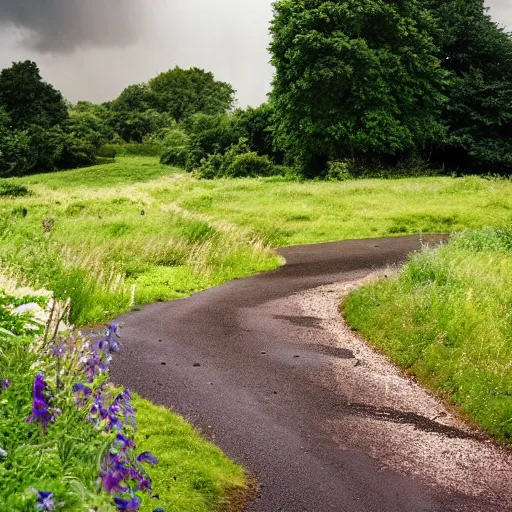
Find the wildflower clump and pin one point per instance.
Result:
(66, 435)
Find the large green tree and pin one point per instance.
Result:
(478, 55)
(184, 92)
(355, 79)
(36, 131)
(28, 100)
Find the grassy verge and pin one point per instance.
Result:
(191, 475)
(446, 318)
(100, 234)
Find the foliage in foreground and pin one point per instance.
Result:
(47, 446)
(67, 437)
(446, 318)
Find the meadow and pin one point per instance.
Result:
(134, 231)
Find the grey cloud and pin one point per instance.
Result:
(501, 11)
(61, 26)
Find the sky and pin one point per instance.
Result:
(92, 49)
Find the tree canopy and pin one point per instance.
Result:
(184, 92)
(478, 114)
(355, 78)
(381, 79)
(28, 100)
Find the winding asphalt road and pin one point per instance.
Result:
(228, 363)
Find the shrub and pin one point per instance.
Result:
(12, 190)
(176, 150)
(210, 167)
(338, 171)
(216, 164)
(76, 153)
(107, 151)
(249, 165)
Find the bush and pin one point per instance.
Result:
(76, 153)
(11, 190)
(107, 151)
(338, 171)
(250, 165)
(176, 150)
(210, 167)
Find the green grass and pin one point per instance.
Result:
(65, 459)
(446, 318)
(138, 223)
(192, 475)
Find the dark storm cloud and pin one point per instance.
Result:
(61, 26)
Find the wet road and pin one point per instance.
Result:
(228, 362)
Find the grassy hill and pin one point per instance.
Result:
(136, 231)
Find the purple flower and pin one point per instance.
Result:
(45, 501)
(121, 473)
(132, 503)
(113, 475)
(122, 444)
(82, 394)
(111, 336)
(41, 412)
(147, 457)
(121, 413)
(6, 384)
(99, 360)
(97, 412)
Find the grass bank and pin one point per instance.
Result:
(98, 234)
(447, 318)
(191, 475)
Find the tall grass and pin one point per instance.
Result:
(137, 225)
(447, 318)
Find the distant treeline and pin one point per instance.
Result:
(360, 87)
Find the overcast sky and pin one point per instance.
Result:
(92, 49)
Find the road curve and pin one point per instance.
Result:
(229, 364)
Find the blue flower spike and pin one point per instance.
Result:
(45, 501)
(132, 503)
(41, 412)
(147, 457)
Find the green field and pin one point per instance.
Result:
(136, 225)
(446, 318)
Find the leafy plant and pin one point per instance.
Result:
(248, 165)
(8, 189)
(176, 150)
